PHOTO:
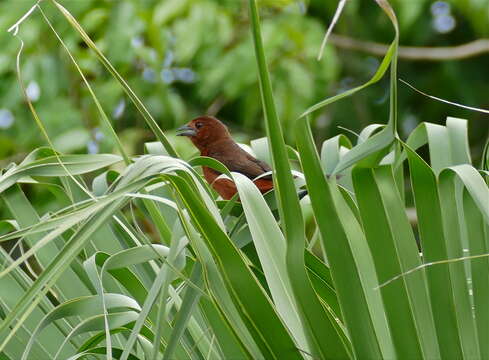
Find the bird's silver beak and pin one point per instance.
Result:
(186, 131)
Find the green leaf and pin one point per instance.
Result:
(394, 251)
(312, 314)
(450, 210)
(478, 233)
(50, 166)
(85, 306)
(261, 319)
(190, 301)
(349, 258)
(430, 225)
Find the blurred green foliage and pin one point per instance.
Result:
(188, 57)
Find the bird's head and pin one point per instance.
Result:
(204, 131)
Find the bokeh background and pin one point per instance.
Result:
(189, 57)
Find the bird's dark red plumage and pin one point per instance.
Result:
(213, 139)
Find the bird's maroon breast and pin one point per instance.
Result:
(210, 174)
(225, 187)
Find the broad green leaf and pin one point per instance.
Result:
(349, 258)
(394, 251)
(474, 183)
(261, 319)
(102, 350)
(478, 233)
(221, 300)
(448, 145)
(50, 166)
(271, 248)
(448, 188)
(434, 247)
(85, 306)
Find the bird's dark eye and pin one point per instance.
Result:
(198, 125)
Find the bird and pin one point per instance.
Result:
(213, 139)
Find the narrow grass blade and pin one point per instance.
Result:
(190, 301)
(61, 261)
(137, 102)
(336, 17)
(312, 314)
(445, 101)
(370, 151)
(156, 288)
(100, 109)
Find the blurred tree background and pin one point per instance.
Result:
(189, 57)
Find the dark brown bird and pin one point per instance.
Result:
(213, 139)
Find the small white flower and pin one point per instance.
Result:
(92, 147)
(444, 23)
(149, 75)
(167, 76)
(184, 75)
(439, 8)
(137, 41)
(33, 91)
(6, 118)
(119, 110)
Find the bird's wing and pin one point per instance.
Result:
(251, 167)
(242, 162)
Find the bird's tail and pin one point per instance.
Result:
(301, 194)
